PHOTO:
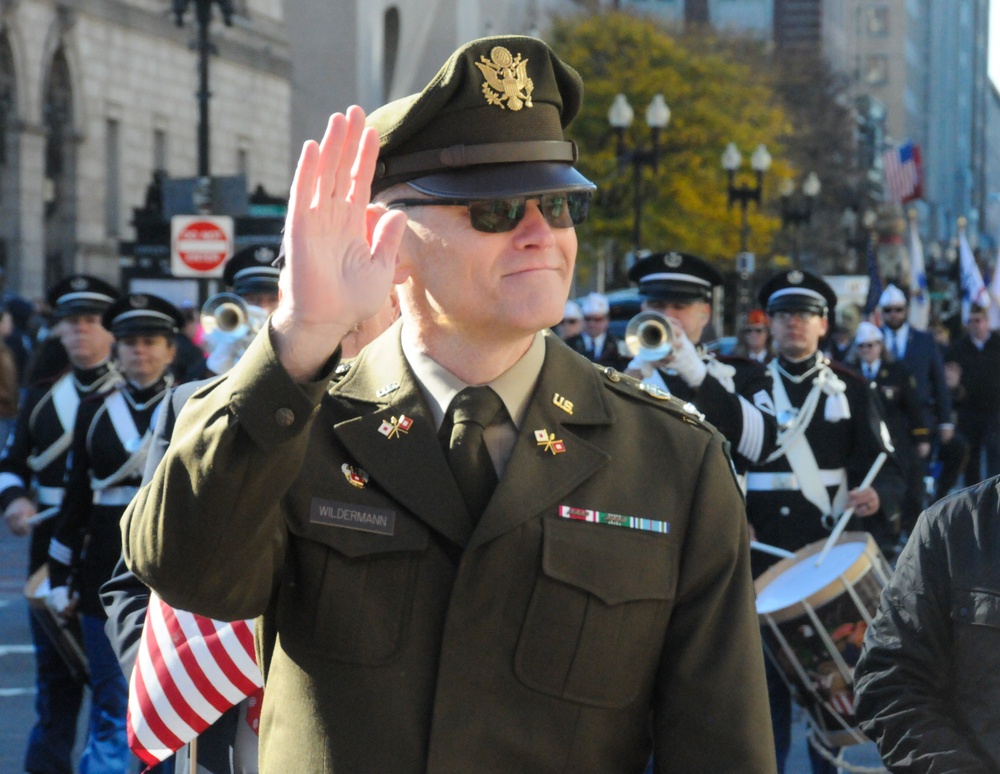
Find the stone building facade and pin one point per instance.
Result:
(97, 94)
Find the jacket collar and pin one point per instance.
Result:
(568, 397)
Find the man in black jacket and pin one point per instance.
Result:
(928, 681)
(978, 356)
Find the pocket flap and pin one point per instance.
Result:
(975, 606)
(615, 564)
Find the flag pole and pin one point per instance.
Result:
(193, 756)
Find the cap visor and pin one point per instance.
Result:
(495, 180)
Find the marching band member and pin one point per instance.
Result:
(731, 392)
(32, 468)
(110, 444)
(830, 432)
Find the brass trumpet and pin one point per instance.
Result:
(227, 313)
(649, 337)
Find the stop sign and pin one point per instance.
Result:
(200, 245)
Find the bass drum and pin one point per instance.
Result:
(813, 622)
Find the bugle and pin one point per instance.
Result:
(649, 337)
(226, 313)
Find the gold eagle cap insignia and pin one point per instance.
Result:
(507, 83)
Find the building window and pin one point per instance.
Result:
(112, 201)
(878, 21)
(160, 149)
(877, 70)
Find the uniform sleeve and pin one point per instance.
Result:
(74, 513)
(903, 677)
(124, 597)
(208, 533)
(752, 432)
(15, 475)
(711, 708)
(918, 417)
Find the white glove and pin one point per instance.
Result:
(58, 600)
(686, 361)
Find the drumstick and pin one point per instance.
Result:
(773, 550)
(48, 513)
(846, 515)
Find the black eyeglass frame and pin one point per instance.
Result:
(577, 213)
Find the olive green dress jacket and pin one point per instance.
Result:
(395, 638)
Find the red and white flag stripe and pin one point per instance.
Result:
(189, 670)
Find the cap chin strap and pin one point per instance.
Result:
(459, 156)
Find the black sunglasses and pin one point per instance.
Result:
(495, 216)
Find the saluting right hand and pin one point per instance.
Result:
(18, 516)
(339, 253)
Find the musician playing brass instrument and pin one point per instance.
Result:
(231, 320)
(731, 392)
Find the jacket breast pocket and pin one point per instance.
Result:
(347, 595)
(597, 616)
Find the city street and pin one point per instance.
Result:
(17, 669)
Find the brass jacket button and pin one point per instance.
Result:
(285, 417)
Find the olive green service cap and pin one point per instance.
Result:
(489, 124)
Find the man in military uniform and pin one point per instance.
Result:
(110, 444)
(417, 616)
(908, 423)
(731, 392)
(831, 432)
(251, 275)
(32, 469)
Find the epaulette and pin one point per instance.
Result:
(842, 370)
(629, 386)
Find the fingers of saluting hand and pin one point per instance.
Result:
(333, 276)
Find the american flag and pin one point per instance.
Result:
(902, 172)
(190, 670)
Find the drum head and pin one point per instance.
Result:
(803, 578)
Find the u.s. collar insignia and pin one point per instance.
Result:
(355, 476)
(392, 428)
(549, 442)
(561, 402)
(506, 79)
(384, 390)
(795, 277)
(673, 260)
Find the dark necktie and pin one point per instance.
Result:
(471, 411)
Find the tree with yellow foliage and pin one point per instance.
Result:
(713, 100)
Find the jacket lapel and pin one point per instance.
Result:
(535, 478)
(410, 466)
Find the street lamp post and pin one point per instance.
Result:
(203, 17)
(760, 162)
(620, 116)
(796, 214)
(857, 234)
